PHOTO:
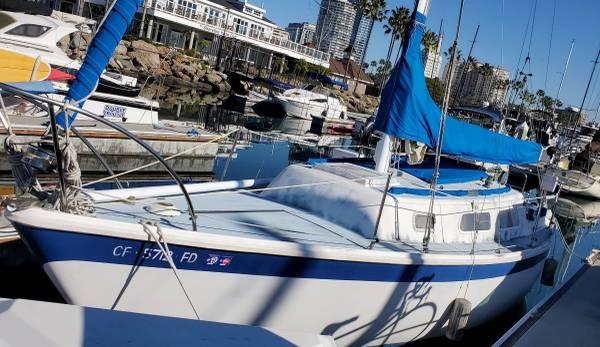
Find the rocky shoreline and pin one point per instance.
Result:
(174, 77)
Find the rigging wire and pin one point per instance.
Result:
(438, 147)
(550, 45)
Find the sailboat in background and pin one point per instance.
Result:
(333, 248)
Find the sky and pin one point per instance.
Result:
(501, 36)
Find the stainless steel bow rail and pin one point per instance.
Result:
(66, 107)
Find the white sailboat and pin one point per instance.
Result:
(336, 249)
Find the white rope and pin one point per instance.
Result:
(164, 247)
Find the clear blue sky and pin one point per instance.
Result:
(575, 19)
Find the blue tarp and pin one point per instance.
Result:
(407, 111)
(99, 53)
(450, 172)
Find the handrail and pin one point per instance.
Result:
(68, 107)
(88, 144)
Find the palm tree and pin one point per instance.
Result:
(373, 10)
(397, 25)
(448, 54)
(429, 41)
(373, 65)
(540, 95)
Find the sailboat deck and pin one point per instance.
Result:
(248, 215)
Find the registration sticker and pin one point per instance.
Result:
(113, 112)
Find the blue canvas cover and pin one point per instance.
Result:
(407, 111)
(450, 171)
(99, 53)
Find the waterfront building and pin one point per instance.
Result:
(248, 35)
(473, 87)
(347, 71)
(301, 33)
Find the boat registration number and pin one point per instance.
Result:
(114, 112)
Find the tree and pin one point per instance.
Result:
(375, 11)
(373, 65)
(540, 95)
(429, 41)
(448, 54)
(397, 25)
(436, 90)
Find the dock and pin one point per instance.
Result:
(123, 154)
(38, 323)
(569, 316)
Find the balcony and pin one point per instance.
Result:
(216, 24)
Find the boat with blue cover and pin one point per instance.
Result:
(370, 256)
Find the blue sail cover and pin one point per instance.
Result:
(98, 55)
(407, 111)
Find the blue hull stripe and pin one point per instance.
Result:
(51, 246)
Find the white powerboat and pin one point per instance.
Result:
(369, 256)
(303, 105)
(38, 36)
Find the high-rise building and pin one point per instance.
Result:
(432, 59)
(361, 33)
(472, 86)
(301, 32)
(334, 26)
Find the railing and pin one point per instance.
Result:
(218, 23)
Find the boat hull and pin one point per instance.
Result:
(357, 302)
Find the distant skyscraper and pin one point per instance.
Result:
(301, 32)
(471, 87)
(335, 26)
(361, 33)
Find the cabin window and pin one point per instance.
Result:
(28, 30)
(420, 221)
(475, 221)
(506, 219)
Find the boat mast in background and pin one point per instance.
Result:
(562, 79)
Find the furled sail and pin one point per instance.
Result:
(407, 111)
(100, 51)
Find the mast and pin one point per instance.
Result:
(465, 71)
(383, 152)
(438, 148)
(562, 79)
(587, 88)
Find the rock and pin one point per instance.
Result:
(213, 78)
(159, 72)
(140, 45)
(120, 50)
(204, 87)
(223, 75)
(163, 50)
(115, 64)
(165, 65)
(64, 42)
(200, 73)
(125, 43)
(147, 59)
(78, 41)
